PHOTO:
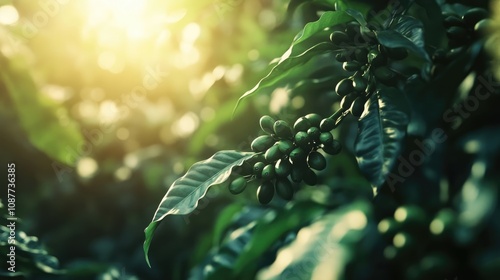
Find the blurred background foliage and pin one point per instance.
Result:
(105, 103)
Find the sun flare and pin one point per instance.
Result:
(125, 15)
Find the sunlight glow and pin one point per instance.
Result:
(123, 14)
(8, 15)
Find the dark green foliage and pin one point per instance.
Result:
(344, 87)
(284, 188)
(410, 141)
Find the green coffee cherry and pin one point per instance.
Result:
(285, 146)
(268, 172)
(473, 16)
(302, 139)
(282, 129)
(310, 177)
(385, 75)
(313, 133)
(351, 66)
(316, 161)
(265, 192)
(347, 100)
(266, 124)
(284, 188)
(359, 83)
(273, 154)
(298, 154)
(302, 124)
(339, 37)
(358, 106)
(483, 26)
(334, 148)
(297, 173)
(238, 185)
(283, 167)
(326, 138)
(314, 119)
(327, 125)
(257, 168)
(344, 87)
(262, 143)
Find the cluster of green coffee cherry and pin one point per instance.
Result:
(410, 234)
(462, 30)
(286, 154)
(368, 61)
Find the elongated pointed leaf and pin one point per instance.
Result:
(184, 194)
(381, 133)
(323, 249)
(285, 65)
(311, 41)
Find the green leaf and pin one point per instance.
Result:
(327, 20)
(432, 19)
(357, 15)
(184, 194)
(281, 71)
(37, 114)
(358, 6)
(273, 226)
(381, 132)
(219, 264)
(311, 41)
(407, 33)
(326, 246)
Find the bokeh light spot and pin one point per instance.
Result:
(8, 15)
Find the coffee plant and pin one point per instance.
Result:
(390, 174)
